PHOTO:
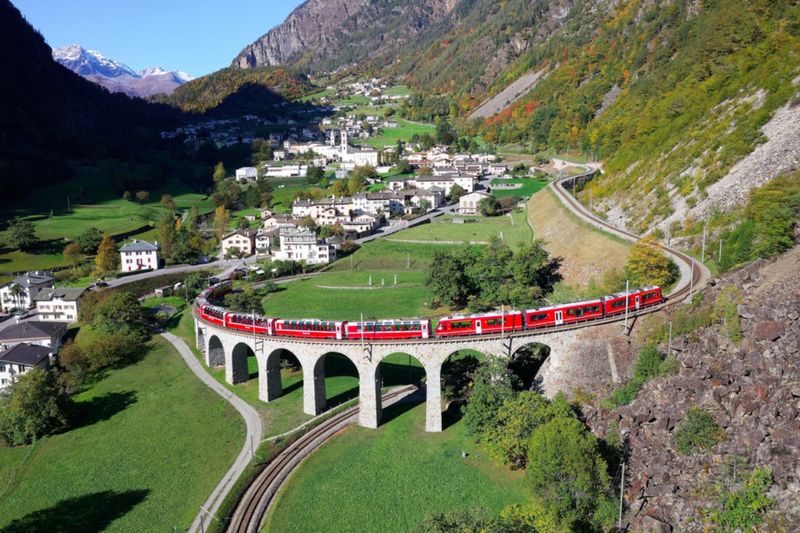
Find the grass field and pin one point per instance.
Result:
(587, 252)
(403, 132)
(93, 202)
(313, 297)
(152, 443)
(514, 229)
(387, 480)
(529, 187)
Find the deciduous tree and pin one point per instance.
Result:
(222, 219)
(73, 253)
(648, 265)
(219, 172)
(22, 234)
(37, 404)
(107, 258)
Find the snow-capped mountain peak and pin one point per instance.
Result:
(117, 76)
(90, 62)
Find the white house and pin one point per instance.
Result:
(298, 244)
(59, 304)
(242, 241)
(21, 358)
(468, 204)
(19, 294)
(40, 333)
(247, 173)
(138, 255)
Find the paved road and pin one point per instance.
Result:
(255, 431)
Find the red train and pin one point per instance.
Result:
(460, 325)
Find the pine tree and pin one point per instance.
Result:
(107, 259)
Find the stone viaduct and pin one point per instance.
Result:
(223, 347)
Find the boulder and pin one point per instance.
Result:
(769, 330)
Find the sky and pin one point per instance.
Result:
(196, 36)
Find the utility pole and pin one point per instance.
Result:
(627, 303)
(621, 492)
(703, 252)
(408, 261)
(669, 342)
(719, 256)
(691, 280)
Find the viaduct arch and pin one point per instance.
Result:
(222, 347)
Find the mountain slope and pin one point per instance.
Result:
(264, 88)
(116, 76)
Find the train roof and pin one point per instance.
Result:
(632, 291)
(568, 304)
(389, 321)
(309, 320)
(482, 315)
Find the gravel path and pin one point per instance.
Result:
(252, 420)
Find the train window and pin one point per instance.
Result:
(536, 318)
(592, 309)
(618, 304)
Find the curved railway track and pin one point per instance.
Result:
(698, 272)
(253, 506)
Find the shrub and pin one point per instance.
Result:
(744, 509)
(697, 431)
(726, 309)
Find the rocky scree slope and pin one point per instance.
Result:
(750, 387)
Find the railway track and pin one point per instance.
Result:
(698, 272)
(253, 506)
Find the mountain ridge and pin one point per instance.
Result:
(117, 76)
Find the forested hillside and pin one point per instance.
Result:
(264, 87)
(50, 114)
(669, 94)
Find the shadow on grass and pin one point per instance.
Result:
(102, 408)
(393, 374)
(90, 512)
(293, 387)
(452, 415)
(403, 406)
(342, 397)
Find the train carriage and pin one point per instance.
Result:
(480, 324)
(309, 328)
(215, 315)
(256, 324)
(637, 299)
(556, 315)
(389, 329)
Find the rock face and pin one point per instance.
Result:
(310, 27)
(752, 389)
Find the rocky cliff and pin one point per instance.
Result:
(752, 390)
(308, 29)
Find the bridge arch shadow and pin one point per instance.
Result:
(280, 375)
(243, 363)
(216, 352)
(336, 378)
(525, 363)
(396, 370)
(457, 375)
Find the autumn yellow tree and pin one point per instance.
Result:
(649, 265)
(107, 258)
(222, 219)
